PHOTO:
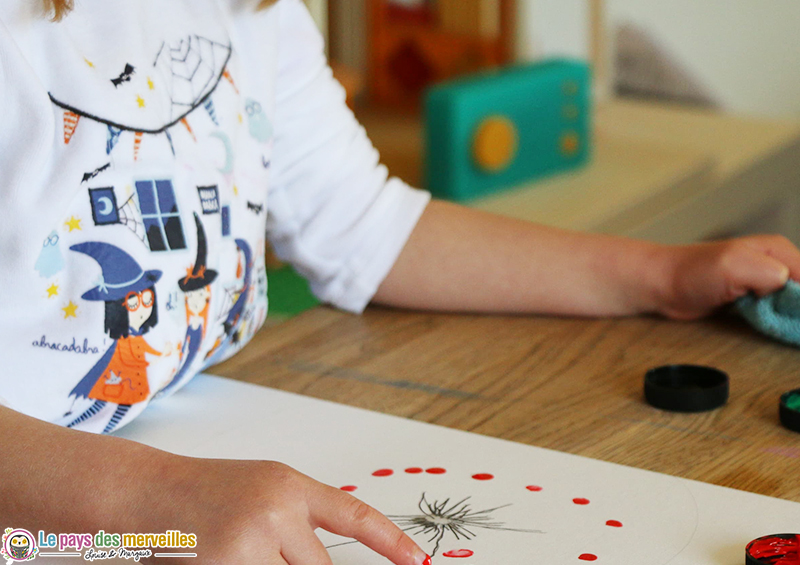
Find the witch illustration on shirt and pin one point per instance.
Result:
(235, 318)
(131, 310)
(196, 286)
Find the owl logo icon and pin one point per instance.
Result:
(18, 545)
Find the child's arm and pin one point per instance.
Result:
(63, 481)
(463, 259)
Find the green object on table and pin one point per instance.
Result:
(504, 128)
(793, 402)
(288, 293)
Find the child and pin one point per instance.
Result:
(147, 148)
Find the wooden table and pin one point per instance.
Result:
(572, 385)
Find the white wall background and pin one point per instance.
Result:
(552, 28)
(746, 52)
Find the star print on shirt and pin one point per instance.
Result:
(140, 101)
(73, 224)
(70, 310)
(52, 291)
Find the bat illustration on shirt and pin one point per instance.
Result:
(256, 208)
(125, 76)
(90, 176)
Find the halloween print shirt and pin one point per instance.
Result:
(147, 151)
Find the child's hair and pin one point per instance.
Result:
(60, 8)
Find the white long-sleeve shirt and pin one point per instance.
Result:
(146, 150)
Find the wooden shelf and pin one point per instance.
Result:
(407, 56)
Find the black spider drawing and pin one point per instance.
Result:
(438, 519)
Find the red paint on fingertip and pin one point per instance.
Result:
(614, 523)
(383, 473)
(436, 471)
(427, 560)
(414, 470)
(349, 488)
(459, 553)
(483, 477)
(588, 557)
(534, 488)
(581, 501)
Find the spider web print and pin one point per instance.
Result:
(438, 519)
(227, 304)
(192, 68)
(130, 217)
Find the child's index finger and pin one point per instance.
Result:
(342, 514)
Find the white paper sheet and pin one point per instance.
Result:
(549, 507)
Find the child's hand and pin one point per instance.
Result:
(703, 277)
(265, 512)
(241, 511)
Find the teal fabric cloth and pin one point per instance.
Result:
(776, 315)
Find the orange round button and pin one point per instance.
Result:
(570, 143)
(495, 144)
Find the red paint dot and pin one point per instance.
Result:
(614, 524)
(459, 553)
(383, 473)
(483, 477)
(581, 501)
(349, 488)
(534, 488)
(588, 557)
(436, 471)
(414, 470)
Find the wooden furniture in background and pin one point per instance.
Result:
(351, 80)
(666, 173)
(566, 384)
(411, 48)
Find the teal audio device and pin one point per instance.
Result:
(504, 128)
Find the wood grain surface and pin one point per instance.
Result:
(573, 385)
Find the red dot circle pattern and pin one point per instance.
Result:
(460, 553)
